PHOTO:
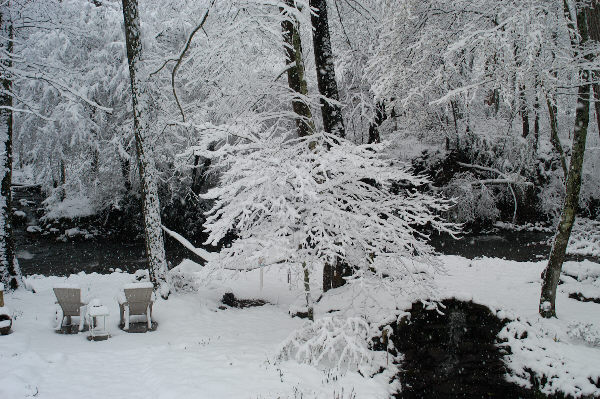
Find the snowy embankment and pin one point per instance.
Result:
(202, 351)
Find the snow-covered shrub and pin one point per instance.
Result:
(585, 332)
(184, 277)
(475, 202)
(320, 199)
(331, 343)
(551, 196)
(585, 238)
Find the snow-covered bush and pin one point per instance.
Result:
(319, 199)
(585, 238)
(585, 332)
(331, 342)
(475, 202)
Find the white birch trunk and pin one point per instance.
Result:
(155, 249)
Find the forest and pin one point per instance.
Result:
(337, 199)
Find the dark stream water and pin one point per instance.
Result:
(44, 254)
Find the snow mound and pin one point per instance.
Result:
(585, 238)
(543, 357)
(332, 343)
(70, 208)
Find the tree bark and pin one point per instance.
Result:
(593, 17)
(380, 117)
(551, 275)
(333, 121)
(10, 274)
(554, 138)
(296, 74)
(331, 112)
(524, 114)
(597, 99)
(155, 250)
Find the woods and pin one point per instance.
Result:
(358, 164)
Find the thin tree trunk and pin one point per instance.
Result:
(10, 275)
(551, 275)
(597, 99)
(536, 123)
(524, 114)
(63, 179)
(155, 250)
(554, 138)
(593, 17)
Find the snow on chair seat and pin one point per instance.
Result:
(69, 299)
(137, 300)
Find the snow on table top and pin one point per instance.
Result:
(4, 323)
(132, 286)
(98, 311)
(66, 285)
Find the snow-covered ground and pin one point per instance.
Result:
(202, 351)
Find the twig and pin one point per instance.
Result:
(180, 58)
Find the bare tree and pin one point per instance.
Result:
(551, 274)
(155, 250)
(10, 274)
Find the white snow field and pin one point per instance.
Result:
(201, 351)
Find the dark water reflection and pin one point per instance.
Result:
(39, 254)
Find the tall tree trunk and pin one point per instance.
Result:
(593, 17)
(551, 275)
(296, 74)
(333, 121)
(155, 250)
(524, 113)
(597, 98)
(304, 123)
(10, 275)
(380, 117)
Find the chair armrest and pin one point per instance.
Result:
(121, 298)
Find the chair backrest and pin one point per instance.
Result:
(69, 300)
(138, 299)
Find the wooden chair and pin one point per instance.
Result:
(136, 301)
(69, 299)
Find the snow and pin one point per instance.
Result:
(133, 286)
(570, 365)
(20, 214)
(76, 231)
(585, 238)
(201, 351)
(197, 350)
(34, 229)
(70, 208)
